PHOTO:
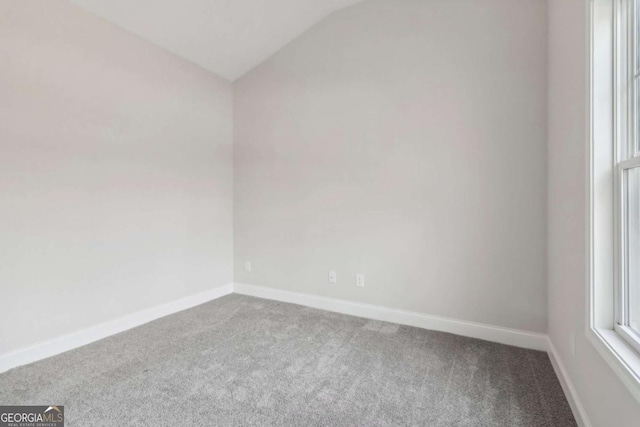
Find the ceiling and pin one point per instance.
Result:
(227, 37)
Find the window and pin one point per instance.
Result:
(627, 179)
(613, 324)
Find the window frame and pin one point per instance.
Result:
(621, 325)
(612, 151)
(626, 152)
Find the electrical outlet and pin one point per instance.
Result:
(360, 280)
(247, 266)
(333, 277)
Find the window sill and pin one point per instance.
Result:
(621, 357)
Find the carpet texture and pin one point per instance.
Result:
(243, 361)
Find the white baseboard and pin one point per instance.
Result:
(94, 333)
(567, 386)
(482, 331)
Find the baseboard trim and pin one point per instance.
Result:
(570, 392)
(482, 331)
(86, 336)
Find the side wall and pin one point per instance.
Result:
(115, 174)
(605, 399)
(406, 141)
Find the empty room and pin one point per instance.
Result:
(320, 213)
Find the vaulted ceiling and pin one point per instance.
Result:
(227, 37)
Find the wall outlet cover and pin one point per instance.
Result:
(333, 277)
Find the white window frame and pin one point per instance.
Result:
(627, 153)
(612, 151)
(621, 282)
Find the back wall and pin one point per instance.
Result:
(405, 140)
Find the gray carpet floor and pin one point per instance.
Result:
(243, 361)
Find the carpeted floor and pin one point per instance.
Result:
(242, 361)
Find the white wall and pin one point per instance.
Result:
(404, 140)
(115, 173)
(606, 400)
